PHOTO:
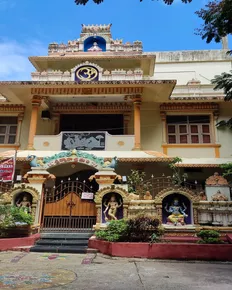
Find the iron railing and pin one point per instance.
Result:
(160, 183)
(68, 223)
(59, 192)
(5, 187)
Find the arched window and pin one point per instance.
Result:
(91, 41)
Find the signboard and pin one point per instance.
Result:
(87, 195)
(7, 168)
(83, 141)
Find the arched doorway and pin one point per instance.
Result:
(69, 200)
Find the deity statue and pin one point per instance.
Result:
(177, 213)
(25, 204)
(147, 195)
(111, 208)
(95, 47)
(219, 196)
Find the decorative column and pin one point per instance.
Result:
(164, 134)
(19, 128)
(137, 121)
(36, 177)
(36, 102)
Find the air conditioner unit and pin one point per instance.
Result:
(46, 115)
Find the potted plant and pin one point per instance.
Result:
(14, 222)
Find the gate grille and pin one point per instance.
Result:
(64, 210)
(71, 224)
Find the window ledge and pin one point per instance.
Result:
(191, 145)
(14, 146)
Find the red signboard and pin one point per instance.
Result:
(7, 168)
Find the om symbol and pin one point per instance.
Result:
(87, 73)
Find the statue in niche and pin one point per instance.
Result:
(25, 204)
(203, 196)
(111, 206)
(147, 196)
(219, 196)
(177, 213)
(95, 47)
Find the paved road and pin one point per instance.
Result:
(83, 272)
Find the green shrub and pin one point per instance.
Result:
(115, 231)
(138, 229)
(144, 229)
(11, 216)
(209, 237)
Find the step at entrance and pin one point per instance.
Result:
(62, 243)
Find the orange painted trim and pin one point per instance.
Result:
(191, 145)
(7, 146)
(217, 152)
(165, 150)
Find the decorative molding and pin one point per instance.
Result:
(198, 165)
(102, 192)
(199, 145)
(19, 109)
(123, 160)
(184, 191)
(24, 188)
(88, 91)
(216, 179)
(178, 107)
(90, 107)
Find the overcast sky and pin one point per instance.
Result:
(28, 26)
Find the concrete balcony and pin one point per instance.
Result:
(84, 141)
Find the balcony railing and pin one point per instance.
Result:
(114, 75)
(89, 141)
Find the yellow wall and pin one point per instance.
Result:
(225, 135)
(151, 133)
(151, 129)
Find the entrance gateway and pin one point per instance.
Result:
(69, 207)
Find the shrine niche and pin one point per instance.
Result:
(112, 204)
(24, 200)
(112, 207)
(23, 196)
(176, 210)
(177, 207)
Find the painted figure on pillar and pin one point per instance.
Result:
(112, 205)
(25, 204)
(177, 211)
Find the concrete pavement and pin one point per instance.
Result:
(20, 270)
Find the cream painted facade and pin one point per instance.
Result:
(187, 76)
(96, 102)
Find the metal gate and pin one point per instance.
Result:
(65, 210)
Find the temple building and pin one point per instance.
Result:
(94, 103)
